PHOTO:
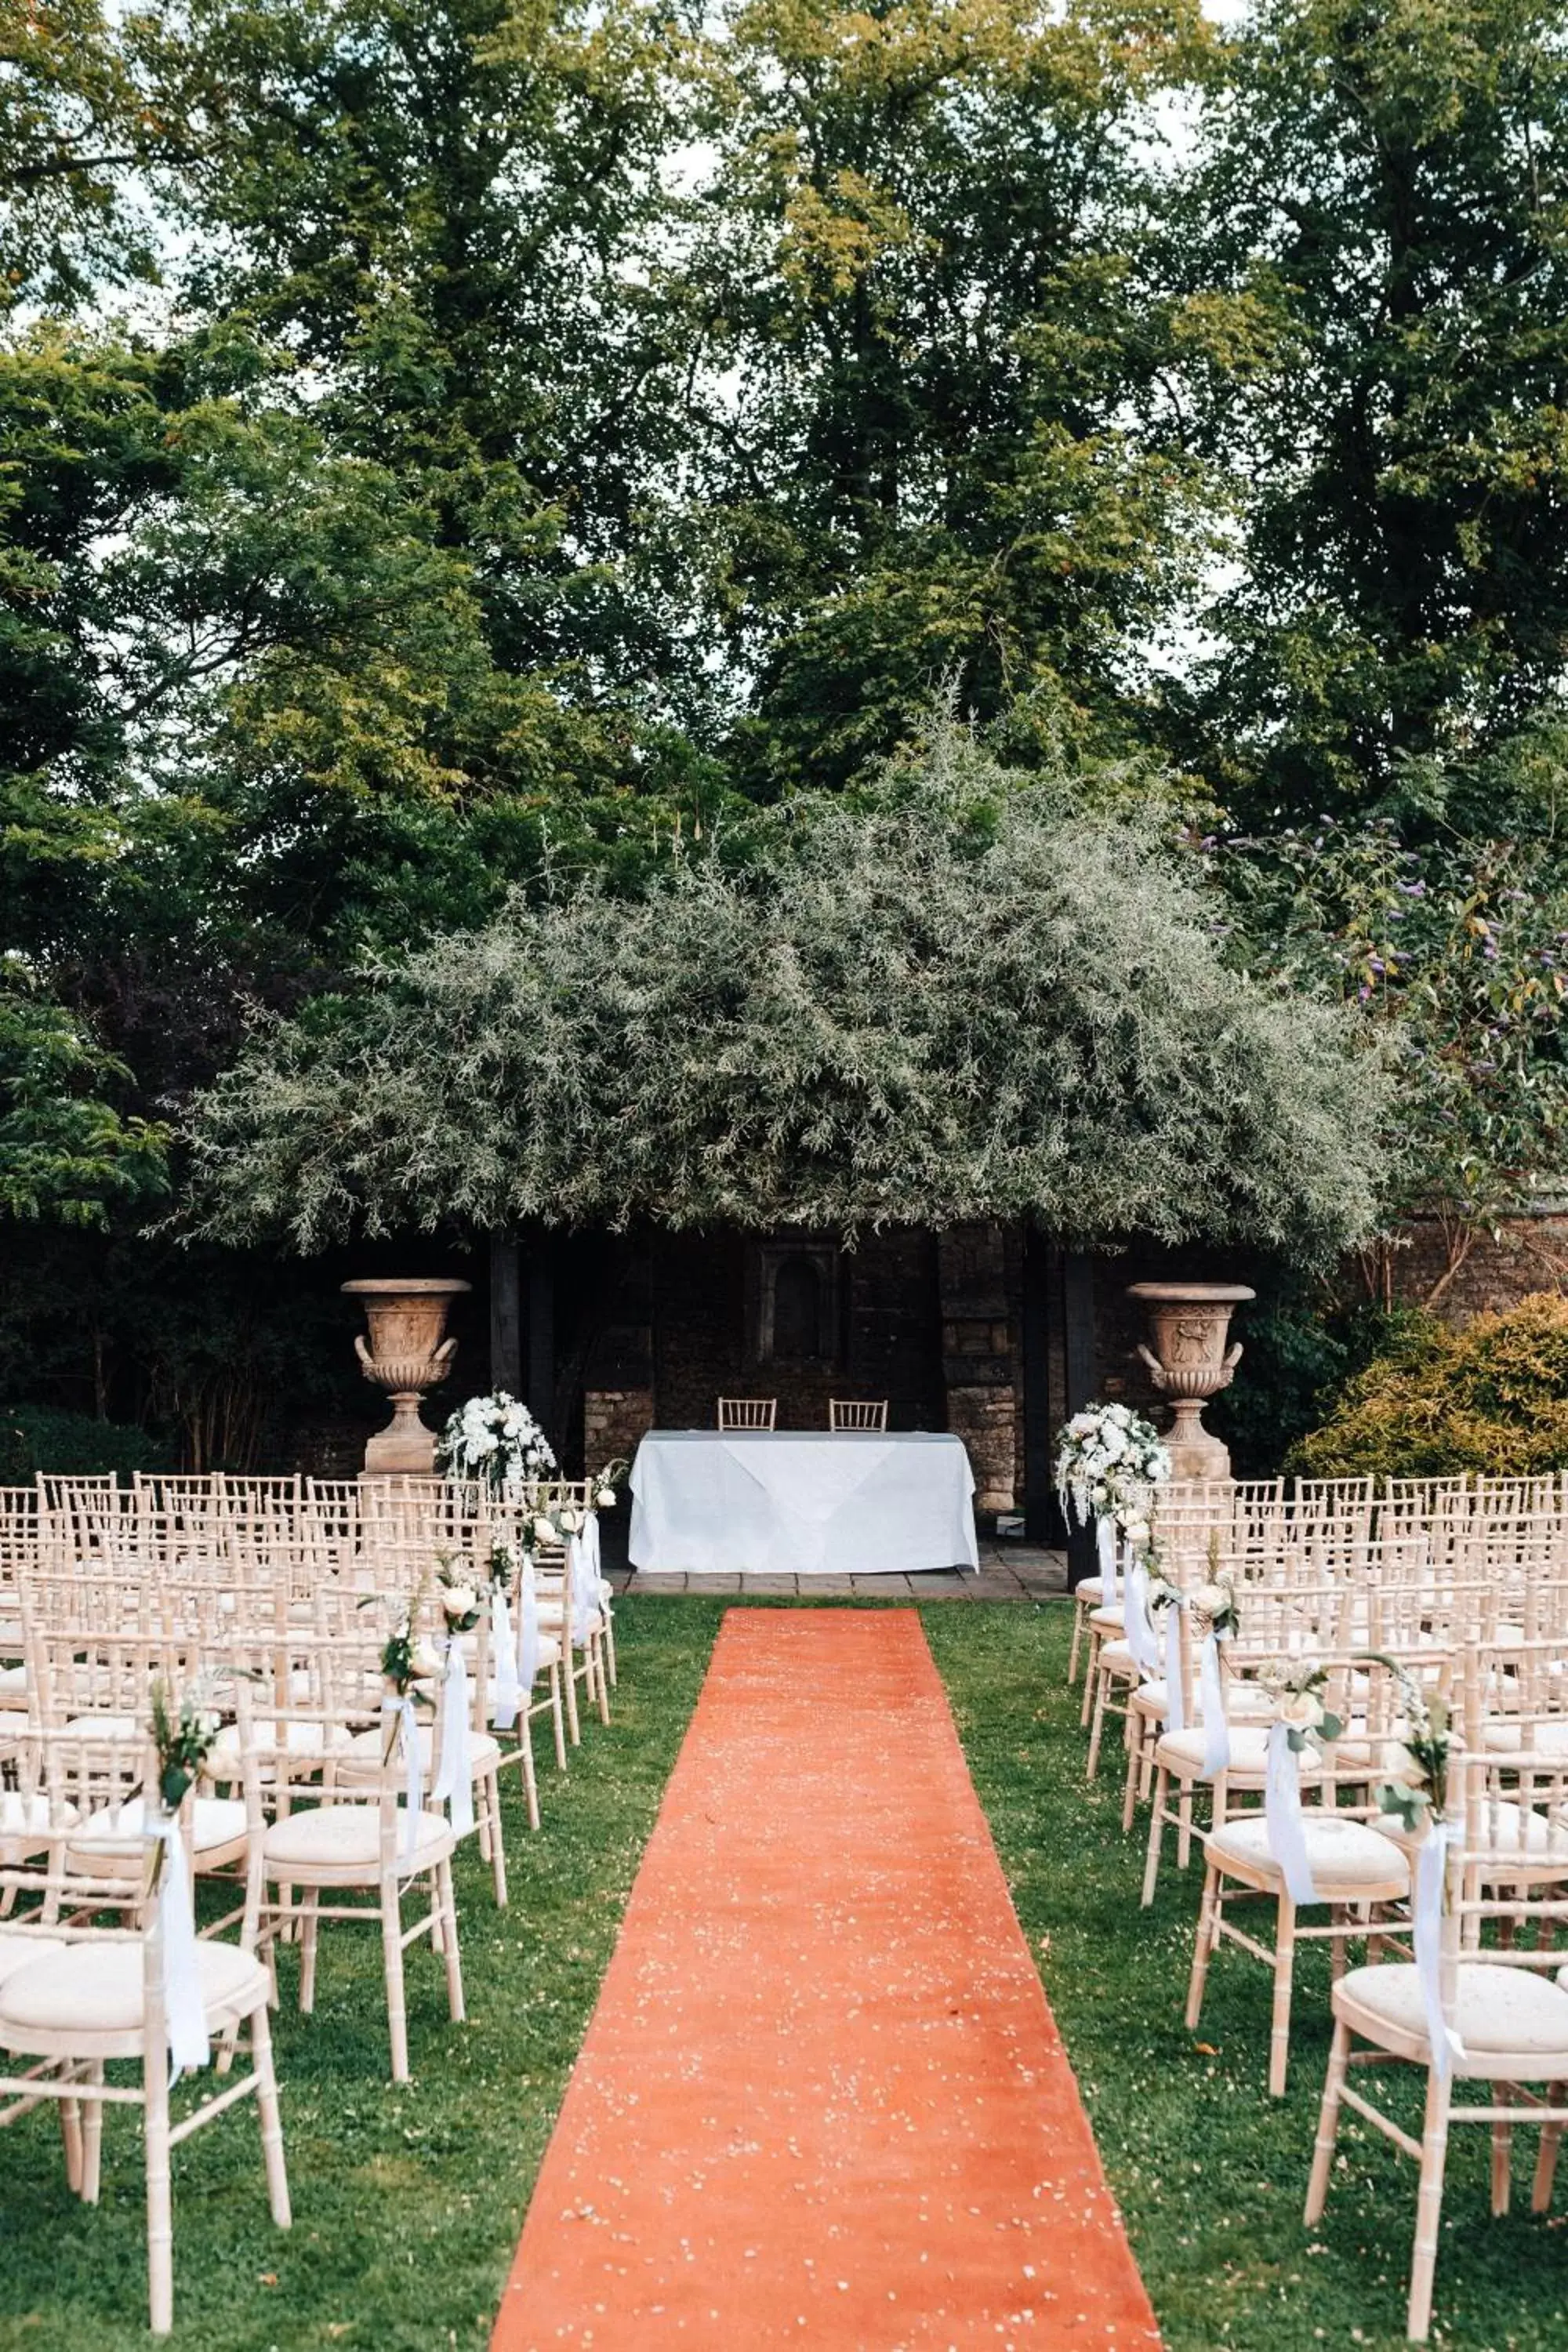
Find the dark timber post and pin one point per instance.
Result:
(1079, 1349)
(1036, 1337)
(506, 1316)
(541, 1396)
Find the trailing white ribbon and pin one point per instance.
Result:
(1282, 1809)
(505, 1648)
(584, 1600)
(1175, 1681)
(455, 1780)
(1105, 1550)
(528, 1613)
(184, 2012)
(1431, 1870)
(591, 1552)
(1139, 1631)
(1216, 1725)
(408, 1732)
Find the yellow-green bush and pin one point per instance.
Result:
(1492, 1398)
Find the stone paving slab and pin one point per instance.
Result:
(1008, 1572)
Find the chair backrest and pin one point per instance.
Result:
(748, 1412)
(844, 1413)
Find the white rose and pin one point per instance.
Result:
(605, 1499)
(459, 1600)
(424, 1660)
(1303, 1711)
(1211, 1599)
(570, 1522)
(543, 1530)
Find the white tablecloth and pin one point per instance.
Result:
(798, 1502)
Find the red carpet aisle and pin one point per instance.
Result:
(822, 2101)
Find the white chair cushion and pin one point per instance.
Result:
(1117, 1659)
(1090, 1590)
(17, 1948)
(347, 1837)
(1343, 1856)
(1182, 1751)
(1503, 1737)
(1243, 1700)
(29, 1817)
(300, 1739)
(1498, 2007)
(215, 1822)
(104, 1726)
(97, 1987)
(1106, 1620)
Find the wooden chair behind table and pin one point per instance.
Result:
(76, 1996)
(748, 1412)
(851, 1413)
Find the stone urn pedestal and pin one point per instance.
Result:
(1190, 1363)
(406, 1355)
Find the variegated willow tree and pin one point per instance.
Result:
(956, 999)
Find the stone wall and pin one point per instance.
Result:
(1528, 1254)
(979, 1272)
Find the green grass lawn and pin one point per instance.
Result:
(408, 2202)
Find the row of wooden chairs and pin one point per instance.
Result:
(763, 1413)
(1463, 1610)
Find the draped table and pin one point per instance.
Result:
(801, 1503)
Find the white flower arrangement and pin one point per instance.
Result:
(496, 1442)
(1415, 1787)
(1108, 1462)
(1297, 1691)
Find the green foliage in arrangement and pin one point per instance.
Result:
(1490, 1398)
(957, 1000)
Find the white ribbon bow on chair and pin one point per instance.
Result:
(184, 2012)
(585, 1601)
(1105, 1549)
(455, 1778)
(505, 1647)
(1216, 1724)
(408, 1732)
(1282, 1809)
(1431, 1870)
(528, 1613)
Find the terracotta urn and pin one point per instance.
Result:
(1190, 1363)
(406, 1355)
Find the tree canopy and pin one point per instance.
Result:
(957, 1001)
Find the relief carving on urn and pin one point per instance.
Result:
(406, 1355)
(1190, 1363)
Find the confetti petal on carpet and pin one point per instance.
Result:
(822, 2100)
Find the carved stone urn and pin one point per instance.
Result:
(1190, 1363)
(406, 1355)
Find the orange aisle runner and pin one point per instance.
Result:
(822, 2100)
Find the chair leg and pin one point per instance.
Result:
(569, 1681)
(1328, 2124)
(601, 1676)
(1546, 2155)
(558, 1719)
(70, 2142)
(1076, 1643)
(1204, 1939)
(1428, 2207)
(491, 1817)
(1156, 1832)
(1185, 1825)
(271, 2120)
(609, 1625)
(1134, 1769)
(449, 1943)
(1090, 1678)
(159, 2207)
(1284, 1973)
(308, 1952)
(530, 1778)
(92, 2142)
(1097, 1727)
(392, 1957)
(1502, 2155)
